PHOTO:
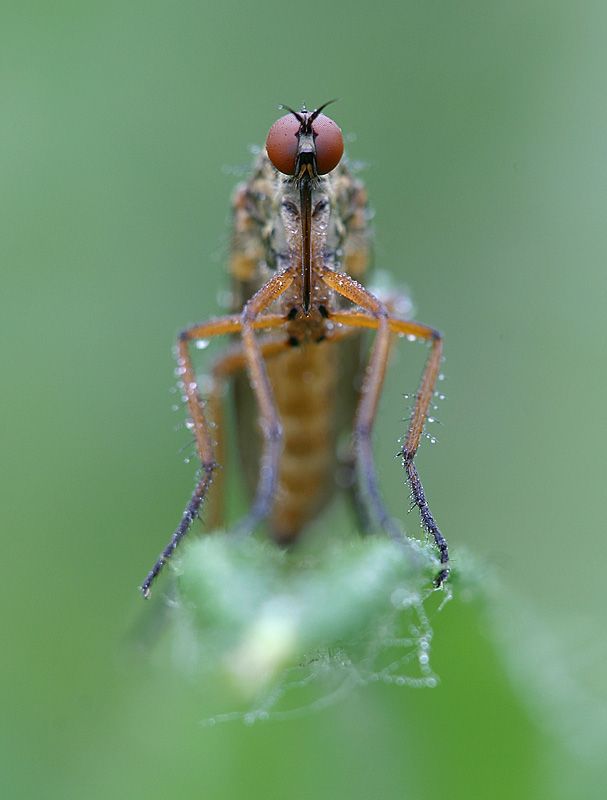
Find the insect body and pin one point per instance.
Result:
(300, 250)
(313, 378)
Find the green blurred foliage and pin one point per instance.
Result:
(484, 129)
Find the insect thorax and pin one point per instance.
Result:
(267, 234)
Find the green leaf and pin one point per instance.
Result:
(351, 609)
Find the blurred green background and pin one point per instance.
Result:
(484, 127)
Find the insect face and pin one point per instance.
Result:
(302, 140)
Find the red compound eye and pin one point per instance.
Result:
(282, 143)
(329, 144)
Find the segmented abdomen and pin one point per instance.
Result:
(304, 380)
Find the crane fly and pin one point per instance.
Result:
(300, 252)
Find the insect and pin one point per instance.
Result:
(300, 252)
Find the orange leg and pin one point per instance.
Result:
(227, 365)
(376, 316)
(246, 323)
(271, 426)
